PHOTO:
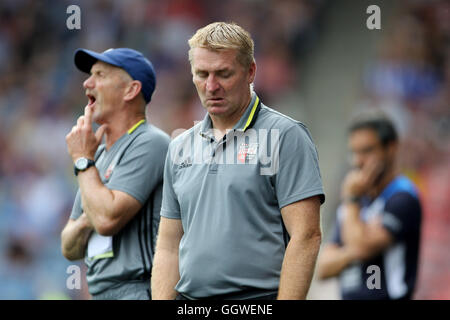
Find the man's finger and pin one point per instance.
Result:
(372, 170)
(100, 132)
(88, 116)
(80, 121)
(376, 221)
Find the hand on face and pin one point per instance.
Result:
(82, 141)
(359, 181)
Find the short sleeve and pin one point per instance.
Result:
(298, 175)
(141, 168)
(77, 209)
(402, 215)
(170, 206)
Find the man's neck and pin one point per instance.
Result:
(119, 126)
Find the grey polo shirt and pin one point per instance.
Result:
(228, 195)
(134, 165)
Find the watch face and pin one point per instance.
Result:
(81, 163)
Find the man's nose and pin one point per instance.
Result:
(211, 83)
(88, 83)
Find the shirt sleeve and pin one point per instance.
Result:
(141, 168)
(402, 215)
(170, 207)
(77, 209)
(298, 175)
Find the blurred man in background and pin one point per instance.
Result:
(375, 246)
(226, 218)
(115, 216)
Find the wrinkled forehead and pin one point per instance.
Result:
(103, 66)
(109, 68)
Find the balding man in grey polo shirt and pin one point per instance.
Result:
(242, 189)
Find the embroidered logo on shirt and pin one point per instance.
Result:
(109, 171)
(185, 164)
(247, 151)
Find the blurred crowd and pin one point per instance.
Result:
(410, 81)
(41, 96)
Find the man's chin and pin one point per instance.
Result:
(216, 107)
(217, 111)
(96, 118)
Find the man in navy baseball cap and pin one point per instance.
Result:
(119, 169)
(132, 61)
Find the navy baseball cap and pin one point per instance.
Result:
(132, 61)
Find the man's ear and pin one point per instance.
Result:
(252, 72)
(132, 90)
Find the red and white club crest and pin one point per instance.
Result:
(247, 151)
(109, 172)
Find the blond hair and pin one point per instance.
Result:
(222, 35)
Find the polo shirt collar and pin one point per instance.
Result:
(246, 121)
(137, 125)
